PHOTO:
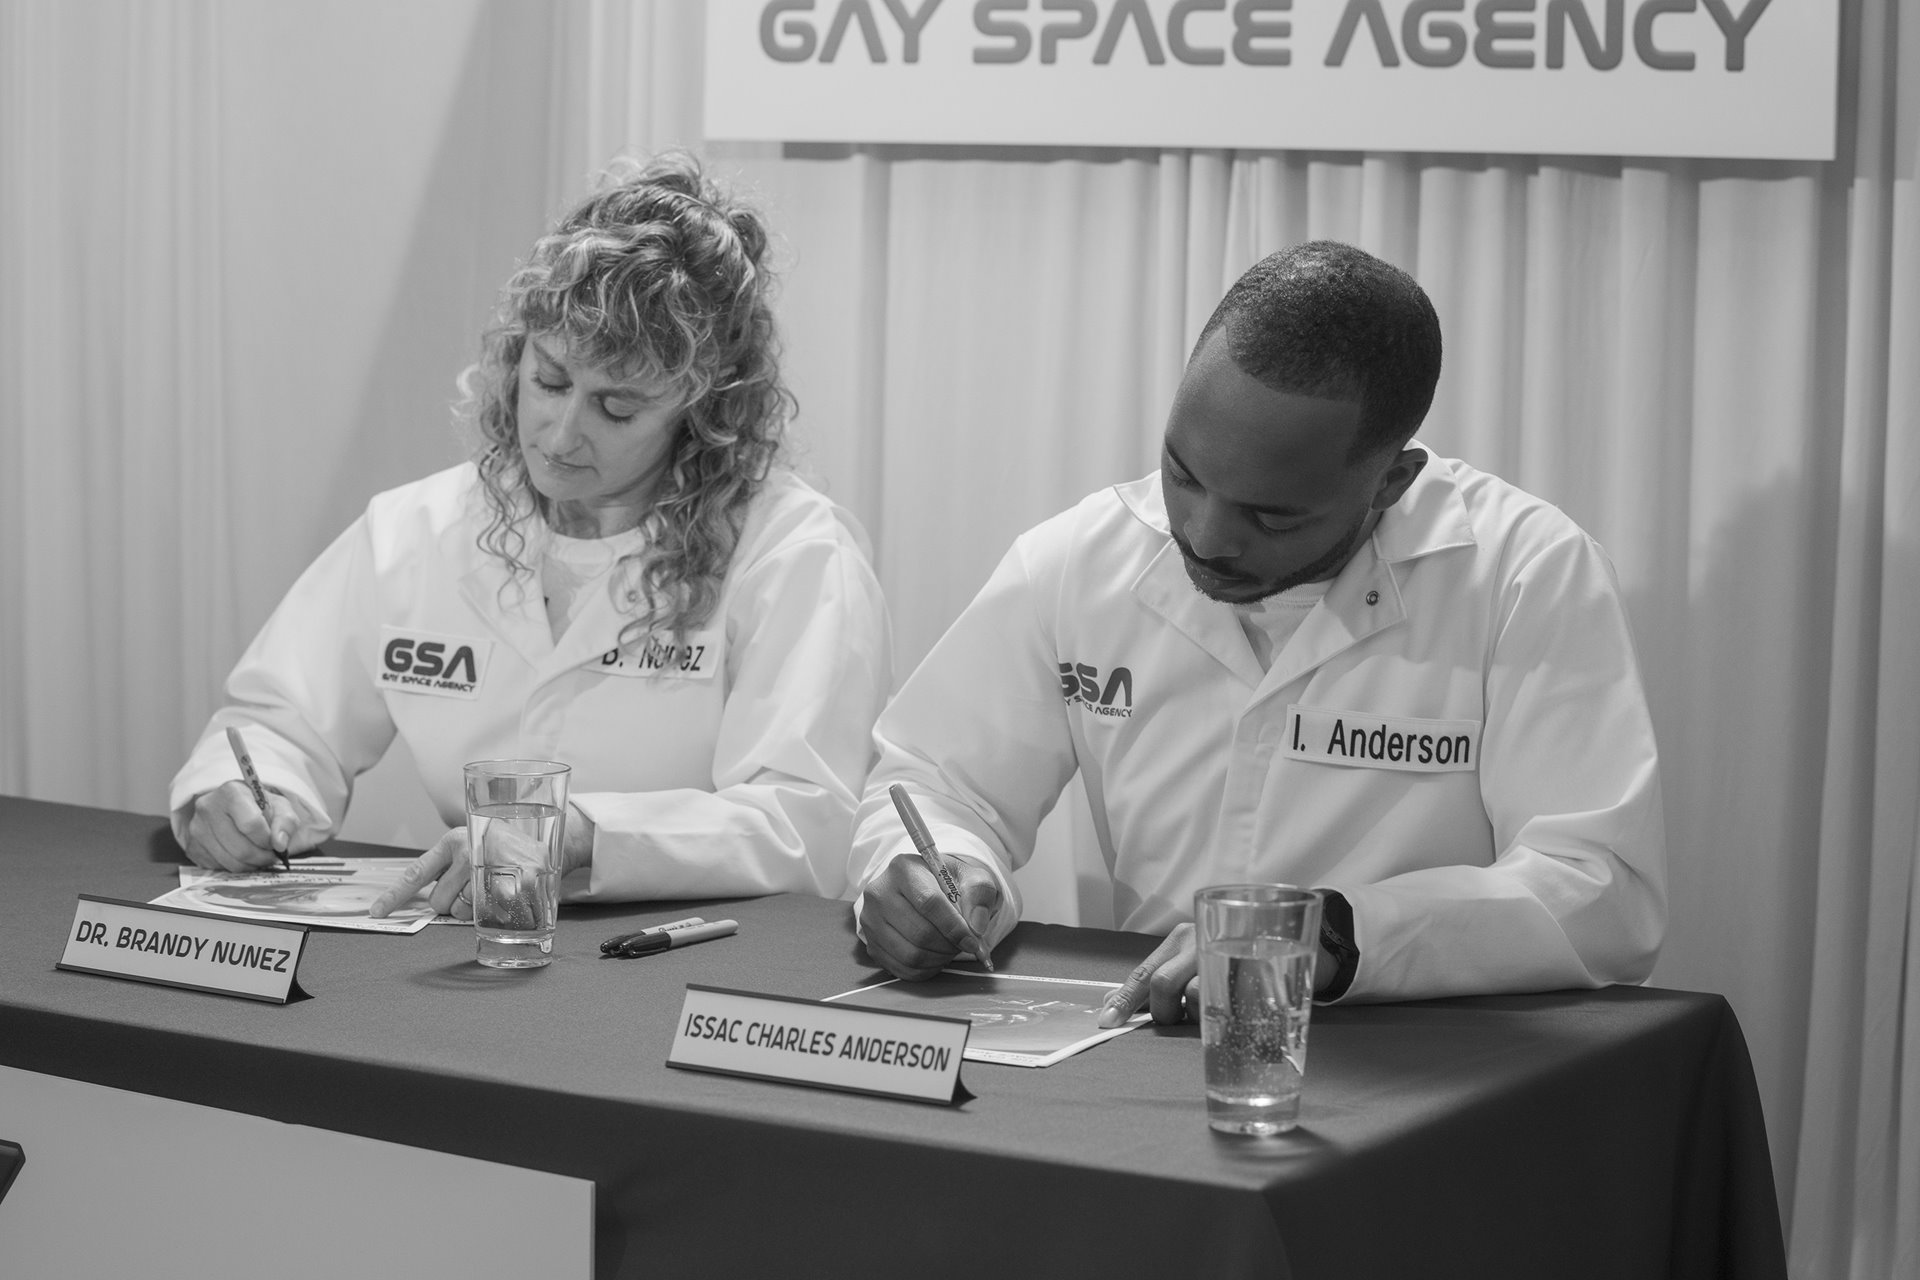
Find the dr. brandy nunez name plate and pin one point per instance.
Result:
(827, 1046)
(175, 948)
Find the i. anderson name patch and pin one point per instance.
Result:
(1382, 742)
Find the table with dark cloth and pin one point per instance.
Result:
(1612, 1133)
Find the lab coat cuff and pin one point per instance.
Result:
(595, 881)
(621, 857)
(1455, 931)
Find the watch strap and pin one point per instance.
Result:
(1336, 935)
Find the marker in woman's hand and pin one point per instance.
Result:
(252, 779)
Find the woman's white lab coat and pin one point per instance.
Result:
(729, 764)
(1456, 738)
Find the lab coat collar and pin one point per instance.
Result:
(519, 616)
(595, 630)
(1364, 600)
(1430, 516)
(1163, 586)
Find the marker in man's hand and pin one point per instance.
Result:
(929, 854)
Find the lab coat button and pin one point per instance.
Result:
(1373, 597)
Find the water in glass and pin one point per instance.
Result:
(515, 882)
(1256, 996)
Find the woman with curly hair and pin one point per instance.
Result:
(624, 579)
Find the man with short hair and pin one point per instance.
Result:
(1308, 651)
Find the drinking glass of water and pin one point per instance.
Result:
(516, 824)
(1257, 944)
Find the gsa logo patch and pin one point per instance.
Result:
(428, 662)
(1081, 685)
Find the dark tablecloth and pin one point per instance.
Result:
(1612, 1133)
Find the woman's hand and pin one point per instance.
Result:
(226, 832)
(448, 867)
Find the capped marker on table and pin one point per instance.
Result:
(929, 854)
(612, 946)
(668, 939)
(252, 780)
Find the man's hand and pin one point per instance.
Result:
(226, 832)
(910, 928)
(1168, 981)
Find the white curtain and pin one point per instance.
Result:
(1856, 1195)
(116, 584)
(1710, 365)
(244, 251)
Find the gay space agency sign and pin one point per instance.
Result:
(1751, 79)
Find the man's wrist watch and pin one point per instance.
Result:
(1336, 935)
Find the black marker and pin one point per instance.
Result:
(252, 779)
(649, 943)
(613, 945)
(924, 846)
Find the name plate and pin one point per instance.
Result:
(827, 1046)
(175, 948)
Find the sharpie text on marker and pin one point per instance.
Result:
(617, 943)
(668, 940)
(249, 776)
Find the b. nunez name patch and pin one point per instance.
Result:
(695, 658)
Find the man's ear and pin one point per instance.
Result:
(1398, 475)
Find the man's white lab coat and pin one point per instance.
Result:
(1456, 738)
(726, 764)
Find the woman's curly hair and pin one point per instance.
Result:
(659, 275)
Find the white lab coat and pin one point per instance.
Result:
(729, 765)
(1496, 827)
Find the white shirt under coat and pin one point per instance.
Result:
(727, 764)
(1476, 623)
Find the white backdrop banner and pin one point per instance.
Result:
(1750, 79)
